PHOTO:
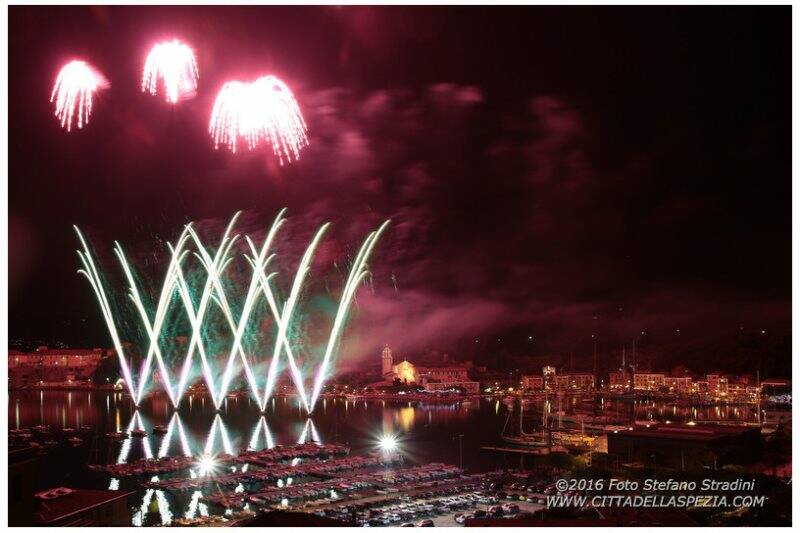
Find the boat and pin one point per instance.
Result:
(577, 442)
(526, 440)
(139, 433)
(605, 428)
(160, 430)
(117, 435)
(538, 440)
(75, 441)
(590, 423)
(52, 494)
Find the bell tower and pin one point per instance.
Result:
(386, 361)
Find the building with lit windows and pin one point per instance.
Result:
(549, 376)
(470, 387)
(578, 381)
(678, 384)
(408, 372)
(29, 368)
(648, 381)
(717, 384)
(533, 382)
(618, 381)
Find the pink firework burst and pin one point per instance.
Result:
(264, 110)
(73, 92)
(174, 64)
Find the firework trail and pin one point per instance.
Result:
(283, 324)
(262, 111)
(357, 274)
(73, 92)
(213, 289)
(173, 63)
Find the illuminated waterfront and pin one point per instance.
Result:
(427, 432)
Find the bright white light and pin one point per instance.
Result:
(388, 443)
(261, 111)
(174, 64)
(73, 92)
(207, 465)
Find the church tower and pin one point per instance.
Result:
(386, 361)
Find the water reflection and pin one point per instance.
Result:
(426, 430)
(156, 501)
(254, 440)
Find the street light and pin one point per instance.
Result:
(207, 464)
(388, 443)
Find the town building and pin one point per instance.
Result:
(737, 389)
(469, 387)
(618, 381)
(648, 381)
(717, 384)
(681, 385)
(438, 377)
(753, 391)
(386, 361)
(549, 376)
(444, 374)
(533, 382)
(52, 365)
(575, 381)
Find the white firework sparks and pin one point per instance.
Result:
(173, 63)
(264, 110)
(219, 372)
(73, 93)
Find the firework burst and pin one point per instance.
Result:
(173, 63)
(73, 92)
(264, 110)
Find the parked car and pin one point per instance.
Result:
(510, 508)
(495, 510)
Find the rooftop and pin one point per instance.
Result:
(72, 504)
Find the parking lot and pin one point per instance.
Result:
(441, 506)
(449, 520)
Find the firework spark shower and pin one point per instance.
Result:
(174, 64)
(261, 111)
(73, 93)
(181, 290)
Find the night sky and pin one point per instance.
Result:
(550, 172)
